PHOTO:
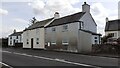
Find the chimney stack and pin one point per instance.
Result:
(14, 31)
(85, 7)
(56, 15)
(107, 19)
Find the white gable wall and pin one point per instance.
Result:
(35, 33)
(89, 23)
(84, 42)
(25, 37)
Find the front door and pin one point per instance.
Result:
(14, 42)
(32, 43)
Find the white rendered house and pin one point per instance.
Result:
(15, 37)
(112, 28)
(76, 32)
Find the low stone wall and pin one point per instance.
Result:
(106, 48)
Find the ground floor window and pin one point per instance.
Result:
(37, 40)
(10, 42)
(96, 41)
(53, 43)
(27, 41)
(65, 42)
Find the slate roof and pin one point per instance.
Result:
(38, 24)
(113, 25)
(67, 19)
(16, 34)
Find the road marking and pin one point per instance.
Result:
(6, 65)
(100, 57)
(43, 58)
(27, 55)
(59, 60)
(16, 53)
(62, 60)
(24, 54)
(7, 51)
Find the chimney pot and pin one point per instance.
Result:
(56, 15)
(14, 31)
(107, 19)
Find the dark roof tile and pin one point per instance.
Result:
(39, 24)
(16, 34)
(113, 25)
(67, 19)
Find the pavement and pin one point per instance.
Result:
(27, 57)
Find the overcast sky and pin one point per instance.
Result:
(15, 14)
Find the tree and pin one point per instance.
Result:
(105, 38)
(118, 40)
(32, 21)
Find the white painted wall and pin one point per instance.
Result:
(14, 38)
(60, 35)
(98, 39)
(84, 42)
(89, 23)
(35, 33)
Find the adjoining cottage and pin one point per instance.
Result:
(34, 36)
(76, 32)
(15, 38)
(112, 28)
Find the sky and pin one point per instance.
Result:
(16, 14)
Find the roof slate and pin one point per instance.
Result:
(16, 34)
(113, 25)
(67, 19)
(39, 24)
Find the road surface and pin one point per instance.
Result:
(27, 57)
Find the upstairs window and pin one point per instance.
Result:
(65, 27)
(95, 37)
(81, 25)
(53, 29)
